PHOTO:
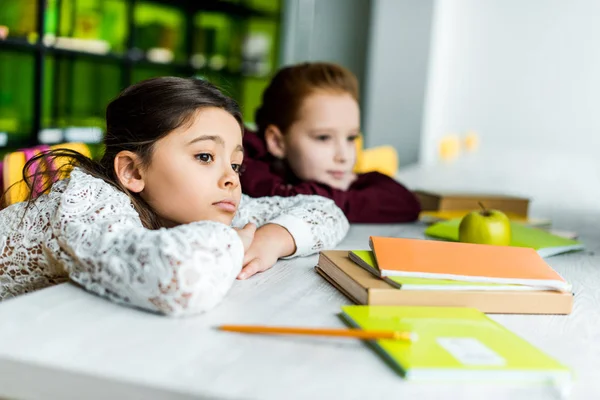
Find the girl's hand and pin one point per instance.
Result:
(270, 243)
(247, 235)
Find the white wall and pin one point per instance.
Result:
(326, 30)
(385, 43)
(525, 74)
(396, 75)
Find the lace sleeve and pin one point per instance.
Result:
(178, 271)
(314, 222)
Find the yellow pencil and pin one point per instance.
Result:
(350, 333)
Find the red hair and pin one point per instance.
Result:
(282, 99)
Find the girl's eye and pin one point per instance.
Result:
(352, 138)
(204, 157)
(323, 138)
(238, 168)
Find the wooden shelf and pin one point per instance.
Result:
(225, 7)
(132, 59)
(18, 44)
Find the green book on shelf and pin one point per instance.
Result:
(455, 343)
(545, 243)
(366, 260)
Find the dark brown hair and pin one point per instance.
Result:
(282, 99)
(140, 116)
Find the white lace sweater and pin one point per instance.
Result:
(88, 231)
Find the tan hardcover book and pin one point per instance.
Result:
(364, 288)
(432, 201)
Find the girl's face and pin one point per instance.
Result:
(194, 171)
(320, 146)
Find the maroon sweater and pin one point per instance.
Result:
(372, 197)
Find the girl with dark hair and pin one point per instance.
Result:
(307, 126)
(159, 222)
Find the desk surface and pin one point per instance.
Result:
(64, 343)
(73, 342)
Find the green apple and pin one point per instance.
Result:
(485, 227)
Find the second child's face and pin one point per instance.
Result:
(320, 145)
(194, 171)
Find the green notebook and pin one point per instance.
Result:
(545, 243)
(366, 260)
(455, 343)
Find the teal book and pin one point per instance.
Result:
(366, 260)
(545, 243)
(455, 343)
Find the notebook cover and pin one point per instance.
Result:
(366, 260)
(455, 343)
(464, 261)
(544, 242)
(333, 283)
(436, 216)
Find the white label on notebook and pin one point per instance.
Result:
(470, 351)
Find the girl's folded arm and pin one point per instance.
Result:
(183, 270)
(314, 222)
(378, 198)
(259, 180)
(372, 198)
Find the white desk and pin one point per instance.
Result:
(64, 343)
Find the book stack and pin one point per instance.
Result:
(414, 272)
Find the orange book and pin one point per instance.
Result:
(464, 262)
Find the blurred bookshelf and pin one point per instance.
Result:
(62, 61)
